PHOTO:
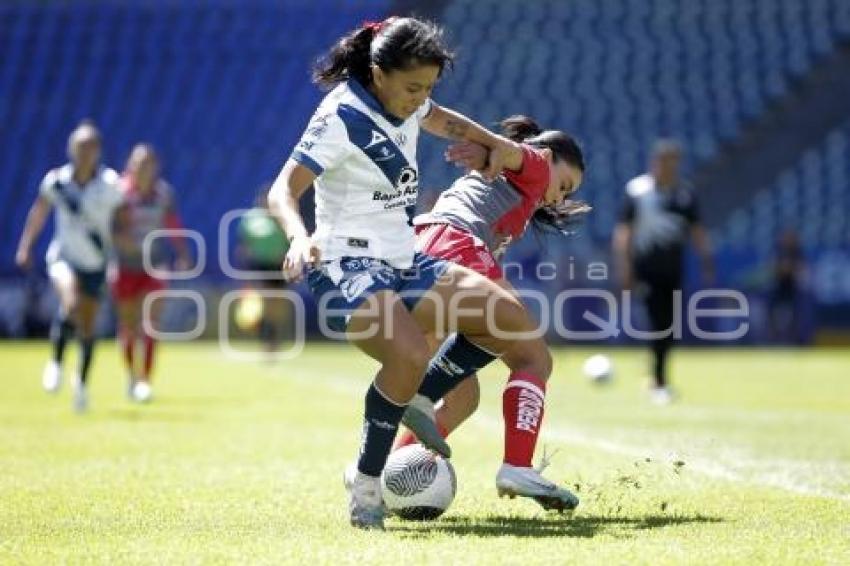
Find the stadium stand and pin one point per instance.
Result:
(811, 197)
(619, 73)
(221, 88)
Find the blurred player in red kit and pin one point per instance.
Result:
(150, 207)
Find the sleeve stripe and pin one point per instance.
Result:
(307, 162)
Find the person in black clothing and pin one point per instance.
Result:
(660, 215)
(785, 296)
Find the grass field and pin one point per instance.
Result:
(242, 462)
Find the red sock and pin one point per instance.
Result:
(522, 408)
(409, 438)
(128, 346)
(150, 343)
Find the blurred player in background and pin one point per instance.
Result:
(471, 224)
(87, 199)
(659, 217)
(150, 206)
(262, 247)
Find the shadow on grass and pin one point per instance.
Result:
(582, 526)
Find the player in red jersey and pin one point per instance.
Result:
(150, 207)
(471, 224)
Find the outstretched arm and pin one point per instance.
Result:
(446, 123)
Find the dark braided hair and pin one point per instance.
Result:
(394, 44)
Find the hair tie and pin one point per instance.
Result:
(374, 26)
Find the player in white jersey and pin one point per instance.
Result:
(85, 196)
(359, 151)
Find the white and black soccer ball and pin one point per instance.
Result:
(417, 484)
(598, 368)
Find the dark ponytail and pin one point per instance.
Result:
(525, 130)
(394, 44)
(520, 128)
(566, 216)
(349, 58)
(563, 218)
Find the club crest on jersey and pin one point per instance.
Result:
(386, 154)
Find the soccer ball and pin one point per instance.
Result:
(598, 368)
(417, 484)
(249, 310)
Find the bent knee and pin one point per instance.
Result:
(512, 315)
(533, 358)
(412, 360)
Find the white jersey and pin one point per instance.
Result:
(83, 216)
(367, 177)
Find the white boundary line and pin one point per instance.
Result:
(702, 466)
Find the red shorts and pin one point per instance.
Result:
(130, 284)
(447, 242)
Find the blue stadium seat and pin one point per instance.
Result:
(221, 88)
(618, 73)
(812, 196)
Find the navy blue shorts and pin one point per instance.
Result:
(342, 285)
(90, 283)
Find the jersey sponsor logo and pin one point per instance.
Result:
(408, 179)
(377, 137)
(376, 144)
(358, 243)
(400, 139)
(407, 190)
